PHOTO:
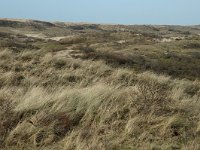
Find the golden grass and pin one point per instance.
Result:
(148, 112)
(49, 101)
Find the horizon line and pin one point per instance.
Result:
(91, 22)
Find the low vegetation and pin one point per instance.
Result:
(99, 87)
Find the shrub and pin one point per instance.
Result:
(59, 63)
(87, 49)
(191, 45)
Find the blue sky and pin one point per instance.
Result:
(183, 12)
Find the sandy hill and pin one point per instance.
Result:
(80, 86)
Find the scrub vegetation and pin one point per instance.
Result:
(106, 87)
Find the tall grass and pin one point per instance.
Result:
(152, 112)
(52, 100)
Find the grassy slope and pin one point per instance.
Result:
(96, 89)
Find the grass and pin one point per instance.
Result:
(100, 94)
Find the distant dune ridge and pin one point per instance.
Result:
(86, 86)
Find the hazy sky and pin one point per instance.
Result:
(184, 12)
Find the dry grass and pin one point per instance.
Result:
(53, 102)
(151, 112)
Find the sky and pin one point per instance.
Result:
(170, 12)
